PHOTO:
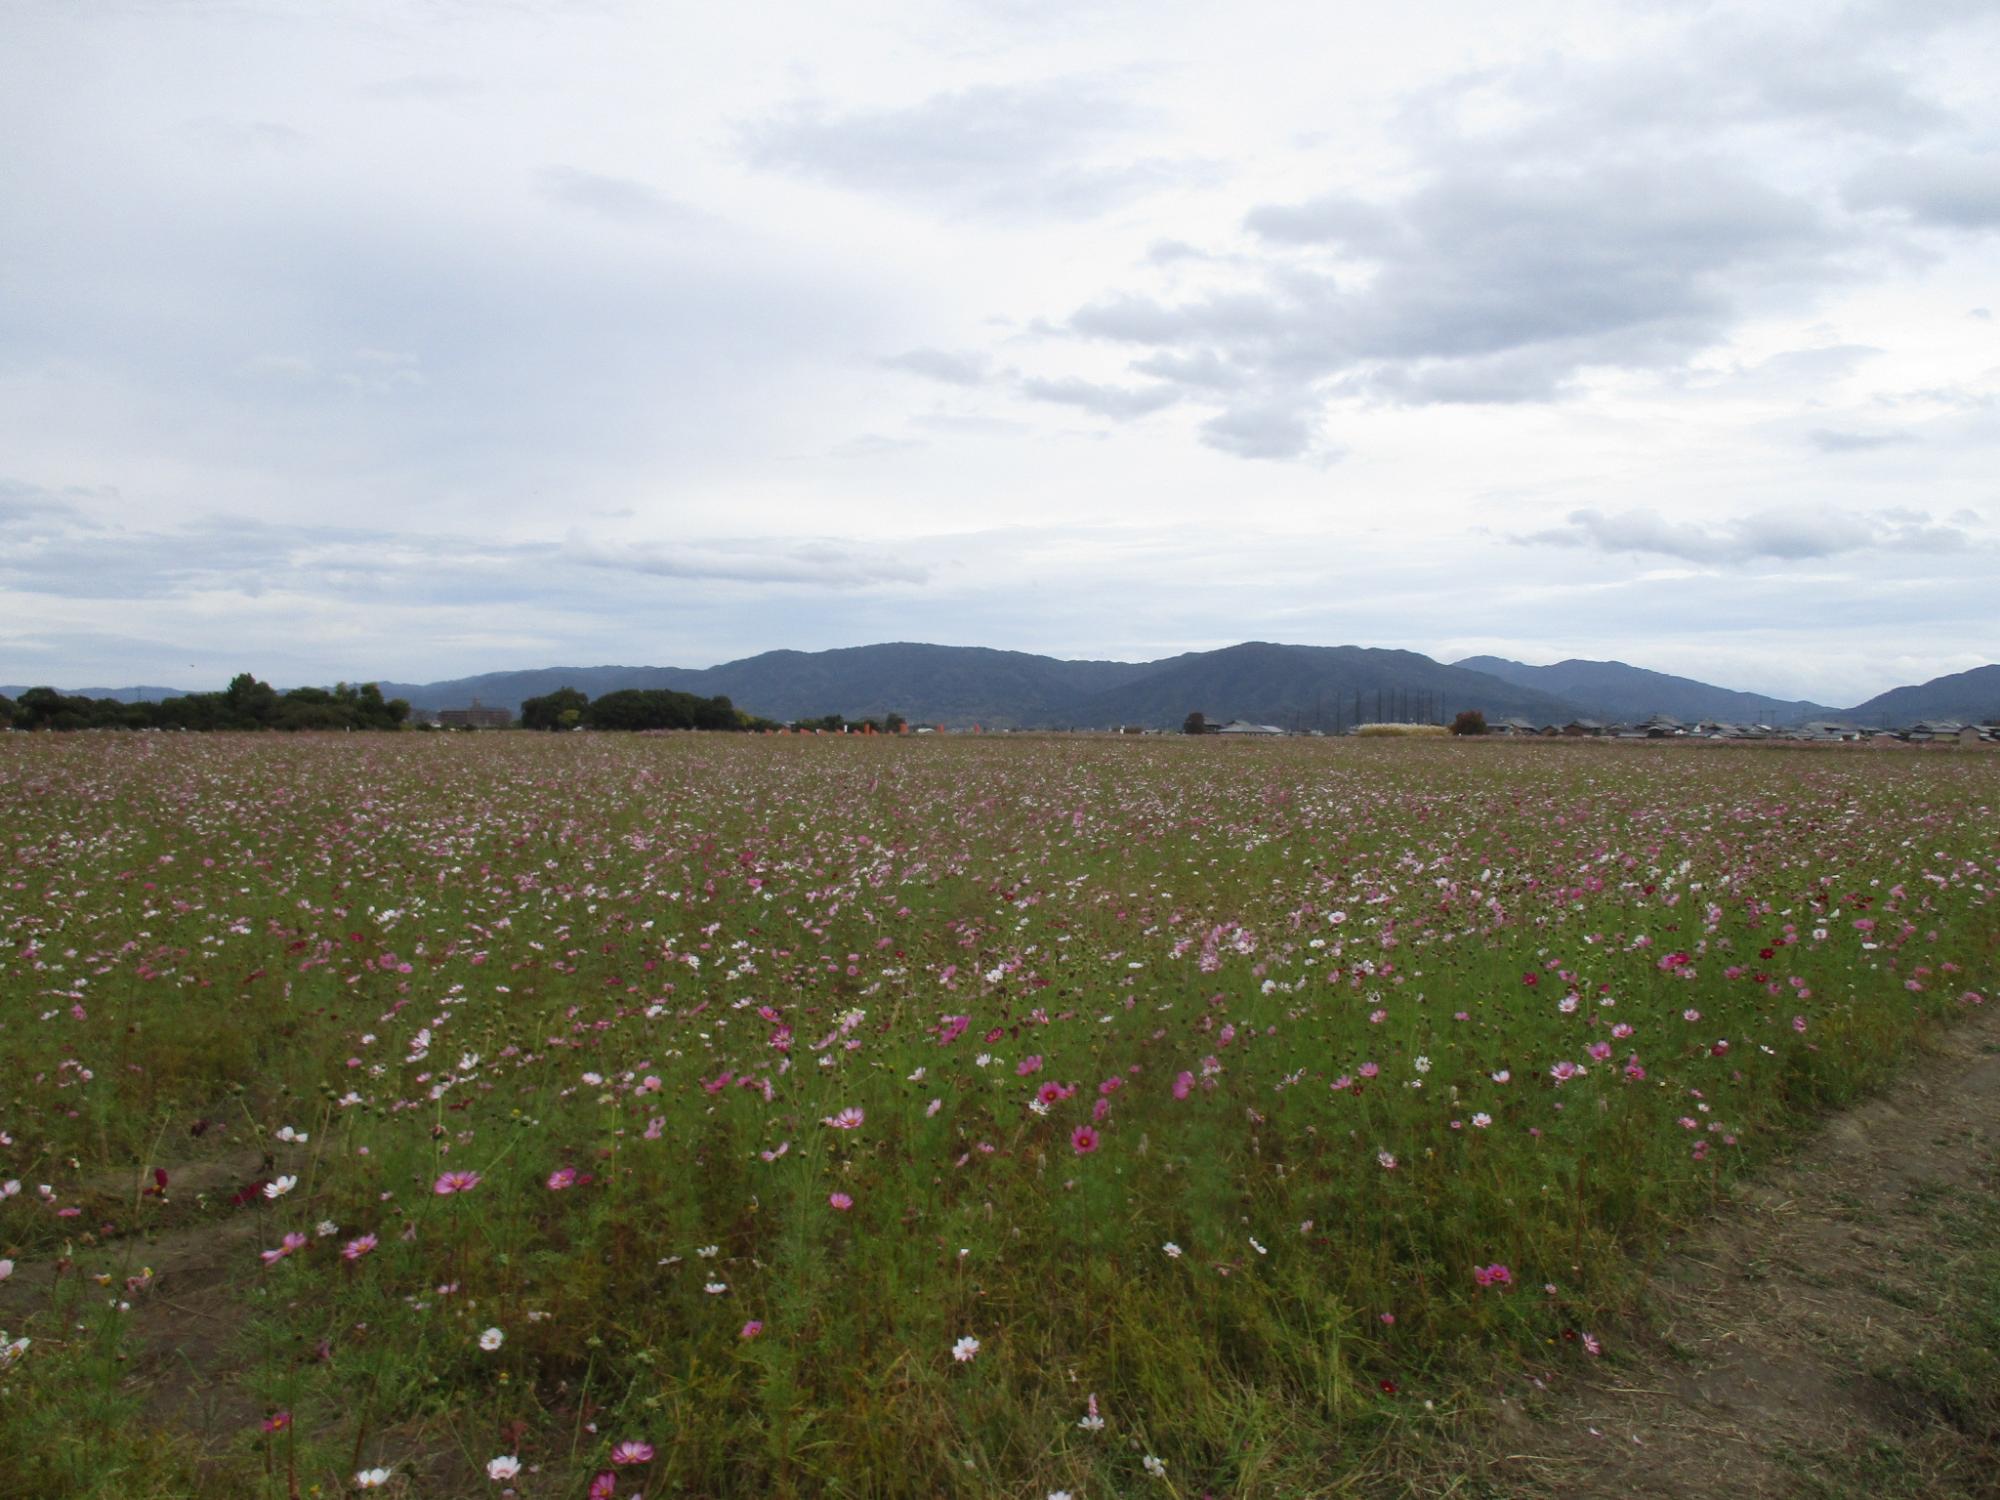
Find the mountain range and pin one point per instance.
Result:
(1306, 687)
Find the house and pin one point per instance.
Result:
(1971, 734)
(1240, 726)
(476, 717)
(1578, 728)
(1826, 731)
(1663, 726)
(1511, 726)
(1933, 729)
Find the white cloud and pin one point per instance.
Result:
(326, 325)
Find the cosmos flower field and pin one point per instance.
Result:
(709, 1115)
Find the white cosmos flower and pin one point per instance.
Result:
(282, 1186)
(492, 1339)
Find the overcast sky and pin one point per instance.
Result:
(412, 340)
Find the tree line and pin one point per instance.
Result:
(635, 708)
(246, 703)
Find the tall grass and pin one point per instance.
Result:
(737, 1084)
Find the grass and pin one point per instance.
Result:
(1946, 1395)
(1341, 1024)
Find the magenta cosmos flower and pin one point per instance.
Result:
(1083, 1140)
(562, 1177)
(631, 1452)
(840, 1201)
(455, 1182)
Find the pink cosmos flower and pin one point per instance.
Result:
(751, 1329)
(848, 1119)
(1027, 1065)
(1083, 1140)
(355, 1248)
(840, 1202)
(562, 1177)
(632, 1452)
(604, 1486)
(455, 1182)
(293, 1242)
(1493, 1275)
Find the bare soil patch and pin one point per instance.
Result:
(1829, 1331)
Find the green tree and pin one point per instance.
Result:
(251, 704)
(562, 709)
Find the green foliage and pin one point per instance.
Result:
(1471, 721)
(246, 703)
(662, 708)
(563, 709)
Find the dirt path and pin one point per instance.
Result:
(1833, 1331)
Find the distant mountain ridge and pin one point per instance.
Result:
(1618, 691)
(1969, 697)
(121, 695)
(1297, 687)
(1310, 687)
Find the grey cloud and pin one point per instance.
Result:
(1203, 368)
(940, 364)
(1336, 218)
(1038, 147)
(1474, 263)
(1538, 373)
(1268, 429)
(967, 424)
(1787, 372)
(1482, 284)
(811, 564)
(1168, 252)
(617, 198)
(49, 547)
(1834, 440)
(1115, 401)
(1950, 192)
(1783, 536)
(243, 137)
(29, 507)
